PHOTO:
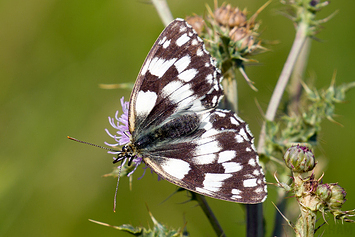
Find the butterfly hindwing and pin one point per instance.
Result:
(218, 161)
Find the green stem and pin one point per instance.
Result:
(163, 11)
(209, 214)
(230, 99)
(298, 43)
(306, 223)
(295, 87)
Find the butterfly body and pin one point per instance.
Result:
(177, 129)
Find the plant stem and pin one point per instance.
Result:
(208, 212)
(230, 99)
(255, 227)
(163, 11)
(295, 87)
(298, 43)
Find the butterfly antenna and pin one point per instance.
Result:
(91, 144)
(118, 181)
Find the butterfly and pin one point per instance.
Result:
(176, 129)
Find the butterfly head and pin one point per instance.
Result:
(127, 153)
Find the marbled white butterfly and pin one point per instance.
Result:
(176, 129)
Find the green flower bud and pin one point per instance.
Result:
(323, 192)
(337, 198)
(299, 159)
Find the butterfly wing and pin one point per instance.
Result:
(219, 160)
(177, 129)
(178, 76)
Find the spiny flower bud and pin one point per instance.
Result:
(337, 198)
(197, 23)
(237, 33)
(237, 18)
(323, 192)
(299, 159)
(230, 16)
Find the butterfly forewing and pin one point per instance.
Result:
(177, 76)
(178, 131)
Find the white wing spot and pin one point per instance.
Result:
(176, 168)
(166, 44)
(236, 197)
(182, 63)
(145, 67)
(234, 121)
(248, 183)
(171, 87)
(239, 138)
(236, 191)
(220, 114)
(214, 100)
(226, 156)
(145, 102)
(159, 66)
(204, 159)
(182, 93)
(243, 134)
(214, 182)
(162, 40)
(207, 148)
(248, 149)
(209, 78)
(199, 52)
(231, 167)
(216, 87)
(182, 40)
(252, 162)
(256, 172)
(207, 65)
(183, 28)
(188, 75)
(194, 42)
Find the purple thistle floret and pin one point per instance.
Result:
(122, 136)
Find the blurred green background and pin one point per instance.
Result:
(53, 55)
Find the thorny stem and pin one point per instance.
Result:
(306, 223)
(295, 89)
(163, 11)
(209, 214)
(298, 43)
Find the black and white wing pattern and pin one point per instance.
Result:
(177, 129)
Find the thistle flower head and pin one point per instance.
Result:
(122, 137)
